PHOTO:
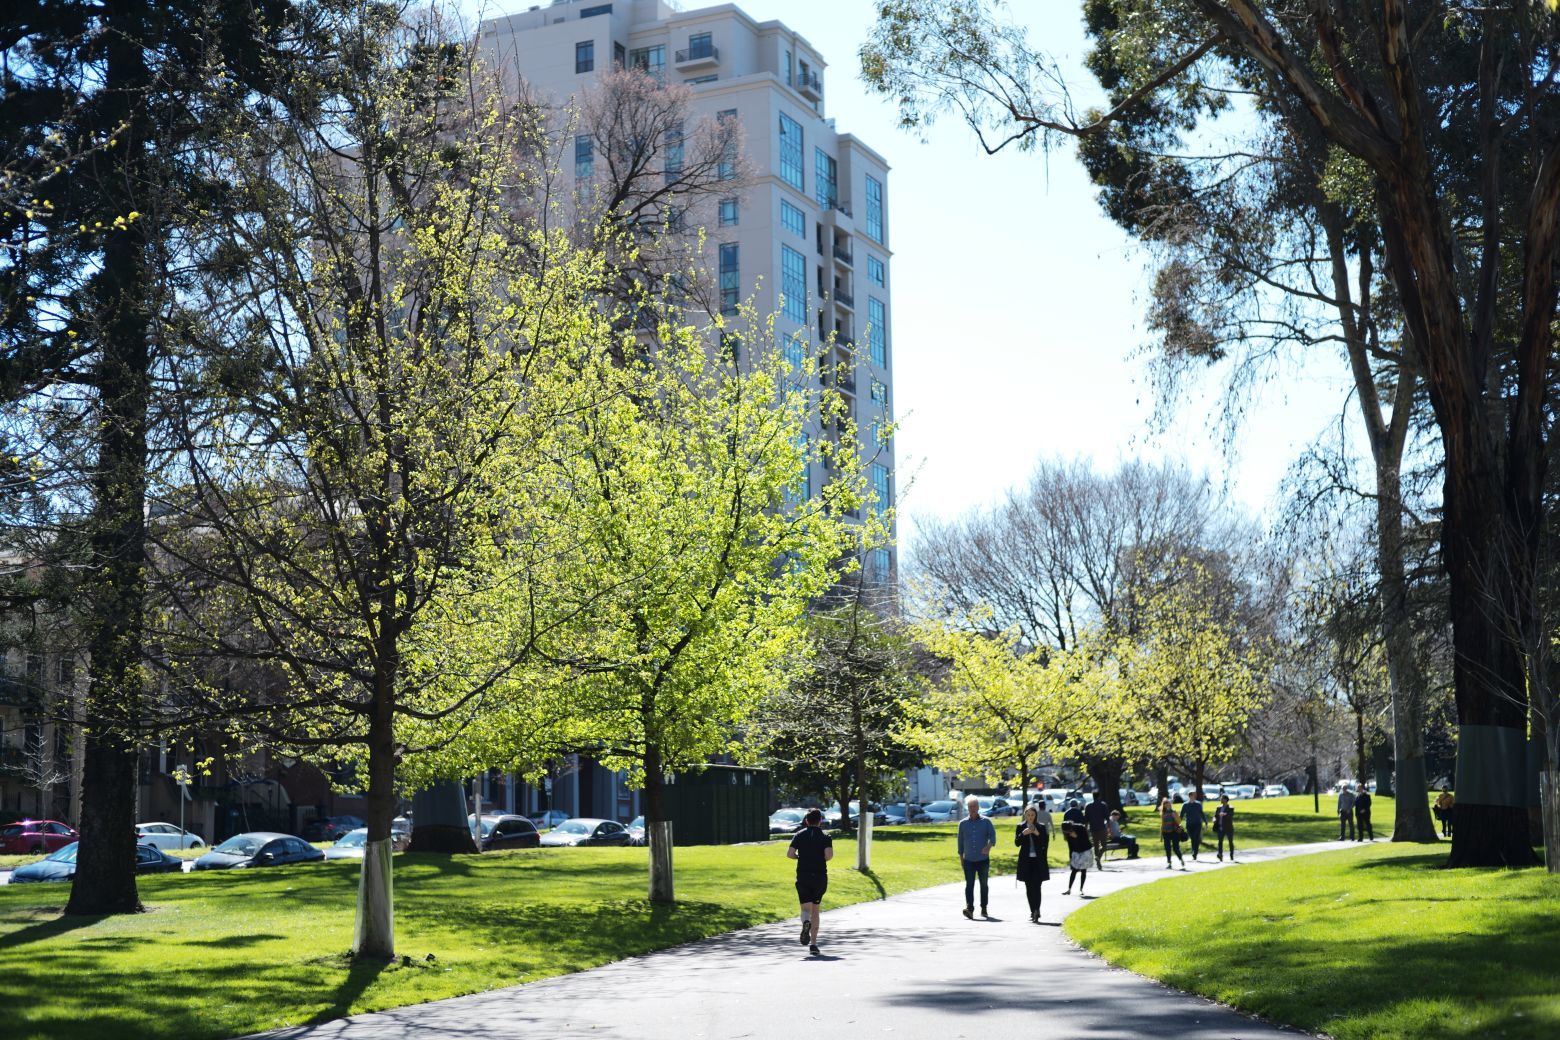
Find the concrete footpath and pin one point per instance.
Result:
(906, 967)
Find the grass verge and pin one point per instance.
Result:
(1372, 943)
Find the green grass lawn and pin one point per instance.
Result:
(223, 953)
(1372, 943)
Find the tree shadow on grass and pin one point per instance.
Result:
(871, 876)
(360, 975)
(51, 928)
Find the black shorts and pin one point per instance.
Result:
(811, 887)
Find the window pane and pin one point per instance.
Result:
(877, 331)
(584, 157)
(728, 212)
(825, 189)
(874, 209)
(793, 284)
(876, 272)
(730, 278)
(585, 56)
(793, 219)
(791, 152)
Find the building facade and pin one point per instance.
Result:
(806, 236)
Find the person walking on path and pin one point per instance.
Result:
(1224, 826)
(1097, 815)
(976, 839)
(1346, 813)
(812, 849)
(1033, 845)
(1362, 814)
(1075, 830)
(1170, 831)
(1193, 818)
(1443, 811)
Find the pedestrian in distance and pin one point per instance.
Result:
(1193, 818)
(1033, 843)
(1346, 813)
(1097, 815)
(1080, 851)
(1362, 813)
(1125, 840)
(812, 849)
(1443, 811)
(975, 840)
(1170, 831)
(1224, 826)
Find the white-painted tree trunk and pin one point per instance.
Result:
(374, 936)
(1549, 788)
(864, 839)
(660, 835)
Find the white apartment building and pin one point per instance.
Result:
(807, 237)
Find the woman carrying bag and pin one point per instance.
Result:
(1170, 830)
(1033, 843)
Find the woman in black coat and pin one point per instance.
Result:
(1033, 843)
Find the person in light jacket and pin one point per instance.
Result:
(1346, 813)
(1034, 842)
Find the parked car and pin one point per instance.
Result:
(34, 837)
(944, 810)
(259, 849)
(587, 831)
(549, 819)
(401, 829)
(878, 818)
(1055, 800)
(786, 821)
(61, 865)
(166, 836)
(905, 812)
(994, 807)
(331, 828)
(503, 831)
(1275, 791)
(636, 831)
(353, 844)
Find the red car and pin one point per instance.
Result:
(31, 837)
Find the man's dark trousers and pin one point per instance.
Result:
(1362, 816)
(972, 869)
(1346, 825)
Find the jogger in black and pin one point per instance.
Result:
(812, 849)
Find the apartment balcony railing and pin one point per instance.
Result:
(697, 57)
(843, 254)
(843, 297)
(809, 85)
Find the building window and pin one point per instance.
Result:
(649, 60)
(592, 12)
(877, 331)
(879, 565)
(825, 178)
(877, 274)
(620, 55)
(584, 157)
(879, 393)
(796, 351)
(790, 70)
(874, 209)
(793, 284)
(726, 120)
(803, 487)
(793, 219)
(674, 151)
(728, 212)
(730, 278)
(585, 56)
(791, 152)
(880, 486)
(700, 45)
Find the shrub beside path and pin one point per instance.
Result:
(906, 967)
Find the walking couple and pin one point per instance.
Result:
(978, 836)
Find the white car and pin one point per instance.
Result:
(1275, 791)
(166, 836)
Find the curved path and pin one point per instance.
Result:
(909, 966)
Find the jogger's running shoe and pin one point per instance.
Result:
(806, 931)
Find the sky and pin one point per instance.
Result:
(1017, 306)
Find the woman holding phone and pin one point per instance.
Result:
(1033, 843)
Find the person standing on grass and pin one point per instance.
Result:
(812, 849)
(1080, 851)
(1346, 813)
(1033, 845)
(1097, 815)
(976, 839)
(1443, 811)
(1224, 826)
(1170, 831)
(1193, 818)
(1362, 814)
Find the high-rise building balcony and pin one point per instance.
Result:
(843, 254)
(843, 297)
(809, 85)
(700, 57)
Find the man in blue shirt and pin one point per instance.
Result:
(976, 839)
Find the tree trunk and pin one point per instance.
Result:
(1361, 759)
(1405, 679)
(374, 937)
(658, 829)
(105, 880)
(439, 820)
(1549, 787)
(1107, 773)
(1199, 769)
(864, 817)
(1162, 780)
